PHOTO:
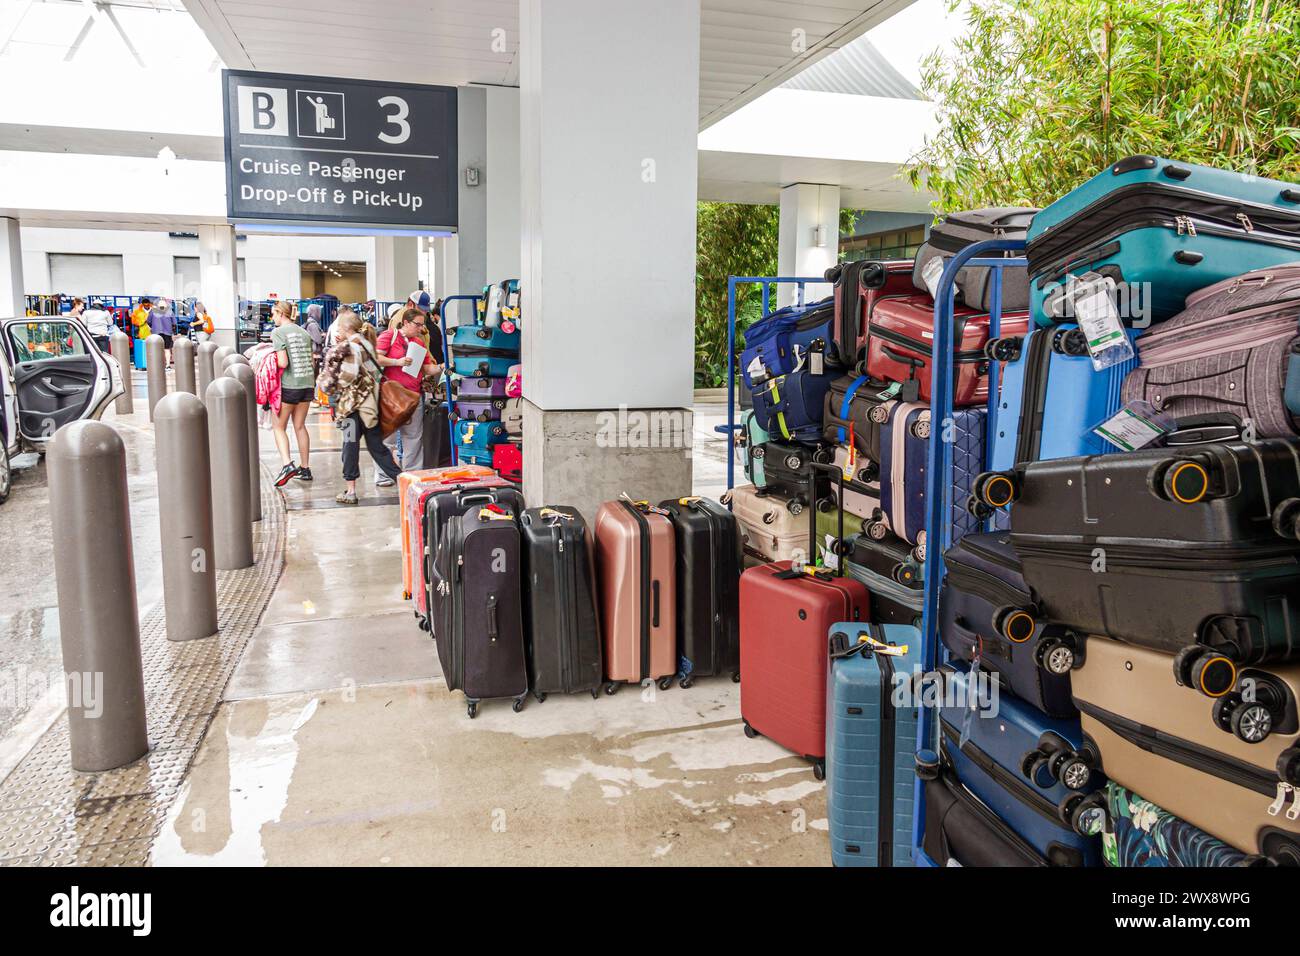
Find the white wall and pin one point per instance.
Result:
(271, 263)
(502, 181)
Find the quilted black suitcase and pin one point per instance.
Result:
(708, 588)
(477, 604)
(564, 647)
(1167, 548)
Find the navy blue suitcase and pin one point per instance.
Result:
(1052, 398)
(1008, 762)
(904, 450)
(986, 608)
(871, 743)
(1170, 227)
(791, 407)
(778, 343)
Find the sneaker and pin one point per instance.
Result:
(346, 497)
(304, 474)
(383, 481)
(286, 474)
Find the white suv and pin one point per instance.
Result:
(51, 373)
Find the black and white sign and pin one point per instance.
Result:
(311, 149)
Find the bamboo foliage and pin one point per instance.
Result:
(1039, 95)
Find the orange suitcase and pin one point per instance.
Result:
(636, 560)
(410, 522)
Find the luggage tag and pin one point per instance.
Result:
(494, 513)
(880, 647)
(817, 363)
(931, 273)
(830, 559)
(850, 468)
(972, 696)
(1092, 300)
(553, 516)
(757, 371)
(1134, 426)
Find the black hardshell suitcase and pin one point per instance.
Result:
(1166, 548)
(563, 631)
(477, 604)
(987, 610)
(441, 508)
(709, 563)
(437, 436)
(786, 473)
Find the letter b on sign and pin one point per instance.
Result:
(263, 110)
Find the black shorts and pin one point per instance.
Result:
(167, 341)
(296, 396)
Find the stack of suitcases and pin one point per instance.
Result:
(487, 409)
(1118, 607)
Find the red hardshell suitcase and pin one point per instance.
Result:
(420, 495)
(508, 461)
(858, 285)
(785, 620)
(900, 338)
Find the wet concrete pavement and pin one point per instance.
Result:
(337, 741)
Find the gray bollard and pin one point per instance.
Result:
(232, 518)
(183, 359)
(203, 356)
(95, 576)
(219, 356)
(155, 370)
(120, 345)
(230, 360)
(243, 373)
(185, 520)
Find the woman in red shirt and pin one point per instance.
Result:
(392, 348)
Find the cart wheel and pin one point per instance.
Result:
(1016, 624)
(685, 682)
(518, 705)
(612, 688)
(819, 769)
(735, 678)
(665, 682)
(750, 732)
(472, 709)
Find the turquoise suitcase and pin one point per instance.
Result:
(1163, 228)
(475, 440)
(480, 352)
(871, 743)
(756, 436)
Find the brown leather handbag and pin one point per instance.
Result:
(397, 404)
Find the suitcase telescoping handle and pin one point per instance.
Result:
(813, 468)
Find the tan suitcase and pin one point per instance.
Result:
(1190, 755)
(769, 530)
(636, 561)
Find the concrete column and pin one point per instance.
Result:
(472, 154)
(397, 267)
(609, 113)
(446, 266)
(501, 178)
(219, 281)
(13, 296)
(809, 240)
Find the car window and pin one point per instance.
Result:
(45, 339)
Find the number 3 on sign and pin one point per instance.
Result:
(397, 119)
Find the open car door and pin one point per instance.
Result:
(59, 375)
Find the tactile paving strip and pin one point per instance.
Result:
(51, 815)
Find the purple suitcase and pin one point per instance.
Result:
(904, 448)
(1227, 351)
(478, 411)
(481, 389)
